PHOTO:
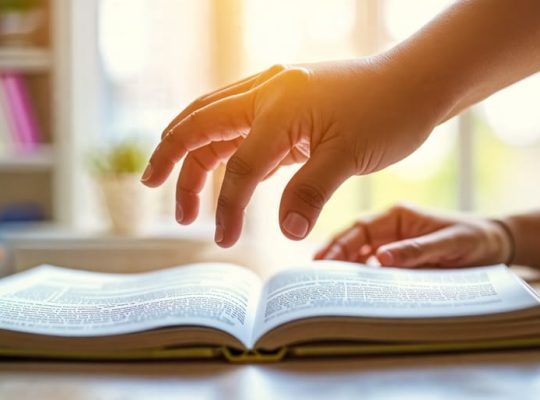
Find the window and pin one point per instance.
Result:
(155, 59)
(507, 149)
(430, 176)
(158, 56)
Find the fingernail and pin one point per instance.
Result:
(219, 234)
(147, 173)
(296, 225)
(386, 258)
(179, 213)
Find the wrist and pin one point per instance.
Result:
(428, 86)
(505, 240)
(525, 229)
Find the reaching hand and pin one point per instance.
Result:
(409, 237)
(341, 119)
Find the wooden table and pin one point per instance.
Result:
(506, 375)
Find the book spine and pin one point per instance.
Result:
(8, 130)
(5, 130)
(22, 112)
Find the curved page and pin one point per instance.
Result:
(333, 288)
(55, 301)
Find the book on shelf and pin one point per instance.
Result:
(213, 310)
(7, 126)
(21, 132)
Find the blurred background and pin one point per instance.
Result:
(88, 86)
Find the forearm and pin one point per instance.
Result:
(470, 51)
(525, 230)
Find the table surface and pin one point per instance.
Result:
(503, 375)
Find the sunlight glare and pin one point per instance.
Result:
(429, 158)
(403, 19)
(123, 33)
(513, 112)
(329, 21)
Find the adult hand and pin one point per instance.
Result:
(406, 236)
(340, 118)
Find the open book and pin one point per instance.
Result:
(222, 310)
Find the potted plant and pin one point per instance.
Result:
(19, 19)
(117, 169)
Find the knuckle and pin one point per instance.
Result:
(274, 70)
(193, 117)
(170, 148)
(404, 209)
(229, 206)
(238, 166)
(170, 142)
(196, 159)
(166, 132)
(170, 138)
(197, 103)
(311, 195)
(399, 208)
(466, 239)
(396, 209)
(296, 76)
(412, 250)
(223, 202)
(277, 68)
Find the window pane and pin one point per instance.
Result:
(403, 18)
(298, 31)
(507, 132)
(156, 60)
(429, 176)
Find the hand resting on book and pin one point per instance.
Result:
(406, 236)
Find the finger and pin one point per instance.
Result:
(193, 176)
(349, 246)
(222, 120)
(310, 188)
(227, 91)
(438, 249)
(258, 154)
(371, 231)
(392, 225)
(343, 244)
(295, 156)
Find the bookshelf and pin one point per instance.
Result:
(42, 159)
(27, 177)
(25, 59)
(48, 176)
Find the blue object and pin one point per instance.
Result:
(22, 212)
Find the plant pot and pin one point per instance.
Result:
(131, 206)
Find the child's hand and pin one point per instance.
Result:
(409, 237)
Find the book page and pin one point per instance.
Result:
(55, 301)
(333, 288)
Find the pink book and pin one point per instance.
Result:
(18, 102)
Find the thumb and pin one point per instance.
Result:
(309, 190)
(440, 248)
